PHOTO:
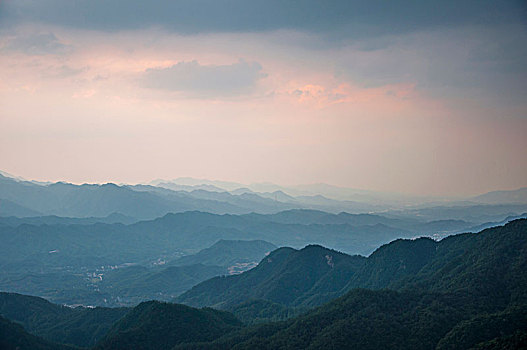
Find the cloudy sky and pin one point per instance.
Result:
(417, 97)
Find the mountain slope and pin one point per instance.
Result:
(157, 326)
(57, 323)
(365, 319)
(466, 291)
(14, 337)
(285, 276)
(490, 262)
(483, 330)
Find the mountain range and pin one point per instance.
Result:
(314, 274)
(462, 292)
(28, 198)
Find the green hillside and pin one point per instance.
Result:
(157, 326)
(61, 324)
(489, 264)
(285, 276)
(14, 337)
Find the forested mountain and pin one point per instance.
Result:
(39, 257)
(159, 326)
(490, 262)
(57, 323)
(364, 319)
(468, 291)
(465, 291)
(14, 337)
(286, 276)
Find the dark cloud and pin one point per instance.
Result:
(36, 44)
(199, 80)
(340, 18)
(488, 64)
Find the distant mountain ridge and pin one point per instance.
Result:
(113, 218)
(23, 198)
(29, 198)
(495, 197)
(229, 254)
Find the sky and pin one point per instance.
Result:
(413, 97)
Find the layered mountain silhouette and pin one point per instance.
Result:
(27, 198)
(465, 291)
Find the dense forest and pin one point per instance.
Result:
(465, 291)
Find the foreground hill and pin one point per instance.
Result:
(158, 326)
(57, 323)
(364, 319)
(14, 337)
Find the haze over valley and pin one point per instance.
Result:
(263, 174)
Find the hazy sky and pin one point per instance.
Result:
(418, 97)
